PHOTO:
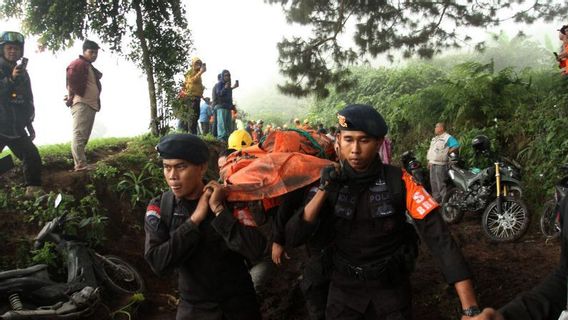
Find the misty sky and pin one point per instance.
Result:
(237, 35)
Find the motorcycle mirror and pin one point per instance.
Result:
(58, 200)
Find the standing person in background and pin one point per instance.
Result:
(297, 123)
(562, 58)
(205, 113)
(17, 110)
(385, 151)
(224, 94)
(440, 147)
(258, 132)
(192, 92)
(331, 133)
(84, 87)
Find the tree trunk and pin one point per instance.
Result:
(148, 68)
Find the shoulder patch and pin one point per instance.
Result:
(153, 216)
(419, 202)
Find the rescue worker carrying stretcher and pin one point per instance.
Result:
(360, 206)
(191, 228)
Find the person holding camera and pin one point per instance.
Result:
(17, 109)
(84, 86)
(224, 100)
(191, 93)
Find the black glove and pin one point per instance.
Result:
(330, 178)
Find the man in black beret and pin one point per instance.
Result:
(360, 208)
(189, 228)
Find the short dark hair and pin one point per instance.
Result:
(563, 29)
(88, 44)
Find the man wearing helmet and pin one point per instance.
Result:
(440, 147)
(17, 109)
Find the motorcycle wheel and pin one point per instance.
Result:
(451, 211)
(549, 225)
(508, 226)
(119, 276)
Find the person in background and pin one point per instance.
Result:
(224, 93)
(332, 132)
(258, 132)
(440, 147)
(321, 129)
(306, 126)
(205, 112)
(385, 151)
(268, 129)
(297, 123)
(562, 57)
(17, 110)
(191, 93)
(84, 87)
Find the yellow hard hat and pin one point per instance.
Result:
(239, 139)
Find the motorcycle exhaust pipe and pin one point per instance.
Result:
(498, 187)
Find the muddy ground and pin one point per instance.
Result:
(501, 270)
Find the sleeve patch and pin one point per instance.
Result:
(419, 203)
(244, 216)
(153, 209)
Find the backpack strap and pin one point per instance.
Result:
(167, 208)
(393, 177)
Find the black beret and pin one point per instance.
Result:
(183, 146)
(362, 117)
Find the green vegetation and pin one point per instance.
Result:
(523, 111)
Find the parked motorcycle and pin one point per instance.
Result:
(414, 167)
(32, 294)
(495, 190)
(550, 218)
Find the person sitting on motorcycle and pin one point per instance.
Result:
(191, 228)
(548, 299)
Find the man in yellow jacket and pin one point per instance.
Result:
(191, 93)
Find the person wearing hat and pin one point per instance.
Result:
(192, 92)
(359, 208)
(84, 91)
(17, 110)
(189, 228)
(224, 104)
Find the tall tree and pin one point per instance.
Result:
(151, 33)
(421, 28)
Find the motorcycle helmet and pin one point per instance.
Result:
(11, 37)
(453, 157)
(239, 139)
(481, 144)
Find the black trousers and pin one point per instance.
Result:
(235, 308)
(315, 287)
(194, 114)
(25, 150)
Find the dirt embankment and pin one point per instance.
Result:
(501, 270)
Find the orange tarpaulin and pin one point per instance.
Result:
(283, 162)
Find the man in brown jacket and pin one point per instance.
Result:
(84, 86)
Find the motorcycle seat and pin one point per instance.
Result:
(17, 273)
